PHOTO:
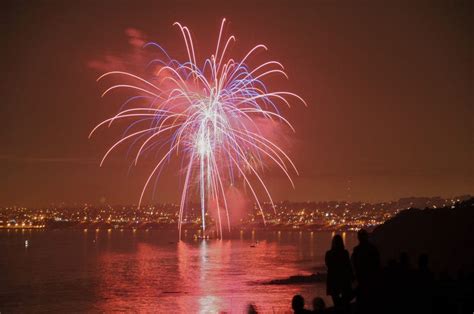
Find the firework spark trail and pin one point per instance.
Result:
(209, 116)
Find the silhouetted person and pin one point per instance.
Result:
(366, 262)
(391, 297)
(251, 309)
(405, 264)
(319, 306)
(297, 304)
(424, 280)
(424, 270)
(406, 282)
(365, 258)
(340, 276)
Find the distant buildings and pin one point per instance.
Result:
(334, 215)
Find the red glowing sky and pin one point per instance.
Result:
(388, 88)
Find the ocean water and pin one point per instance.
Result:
(150, 271)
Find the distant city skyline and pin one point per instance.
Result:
(332, 216)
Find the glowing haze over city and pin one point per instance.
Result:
(380, 94)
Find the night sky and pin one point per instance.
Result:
(388, 87)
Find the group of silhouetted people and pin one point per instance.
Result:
(363, 267)
(397, 288)
(297, 304)
(342, 271)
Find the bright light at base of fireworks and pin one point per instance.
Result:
(210, 116)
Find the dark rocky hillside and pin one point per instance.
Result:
(445, 234)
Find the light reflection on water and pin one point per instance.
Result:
(151, 272)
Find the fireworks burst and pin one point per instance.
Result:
(211, 117)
